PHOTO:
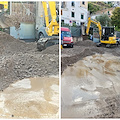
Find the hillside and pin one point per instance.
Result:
(97, 6)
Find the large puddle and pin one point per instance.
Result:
(31, 98)
(93, 78)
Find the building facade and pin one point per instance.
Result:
(74, 12)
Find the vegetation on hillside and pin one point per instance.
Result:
(115, 18)
(96, 6)
(104, 20)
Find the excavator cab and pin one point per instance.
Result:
(107, 32)
(108, 36)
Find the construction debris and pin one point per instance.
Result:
(90, 81)
(91, 88)
(7, 21)
(21, 60)
(83, 49)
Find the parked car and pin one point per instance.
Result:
(67, 40)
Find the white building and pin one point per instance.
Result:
(74, 12)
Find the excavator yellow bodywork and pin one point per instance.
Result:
(110, 40)
(52, 28)
(5, 4)
(96, 23)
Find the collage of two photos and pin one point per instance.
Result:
(29, 60)
(59, 59)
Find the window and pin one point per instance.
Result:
(66, 34)
(83, 2)
(72, 14)
(73, 3)
(61, 12)
(82, 16)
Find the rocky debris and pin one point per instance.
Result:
(86, 43)
(91, 88)
(20, 60)
(82, 49)
(51, 50)
(7, 21)
(10, 45)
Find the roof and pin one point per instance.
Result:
(65, 29)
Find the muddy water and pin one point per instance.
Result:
(31, 98)
(88, 82)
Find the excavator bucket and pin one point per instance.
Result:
(43, 43)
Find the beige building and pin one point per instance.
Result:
(84, 4)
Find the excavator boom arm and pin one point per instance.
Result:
(52, 28)
(96, 23)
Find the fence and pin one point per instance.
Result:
(75, 31)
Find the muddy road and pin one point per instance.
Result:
(36, 97)
(90, 82)
(82, 49)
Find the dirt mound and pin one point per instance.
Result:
(7, 20)
(86, 43)
(20, 60)
(17, 67)
(82, 49)
(51, 50)
(10, 45)
(85, 51)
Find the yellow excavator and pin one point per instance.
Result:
(106, 34)
(51, 32)
(3, 6)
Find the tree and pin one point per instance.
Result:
(92, 8)
(115, 18)
(104, 20)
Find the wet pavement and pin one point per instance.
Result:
(91, 88)
(31, 98)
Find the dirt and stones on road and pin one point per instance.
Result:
(82, 49)
(91, 88)
(31, 98)
(7, 21)
(21, 60)
(90, 81)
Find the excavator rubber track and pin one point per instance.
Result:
(43, 43)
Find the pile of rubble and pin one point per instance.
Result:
(7, 21)
(82, 49)
(20, 60)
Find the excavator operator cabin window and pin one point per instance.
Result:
(73, 3)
